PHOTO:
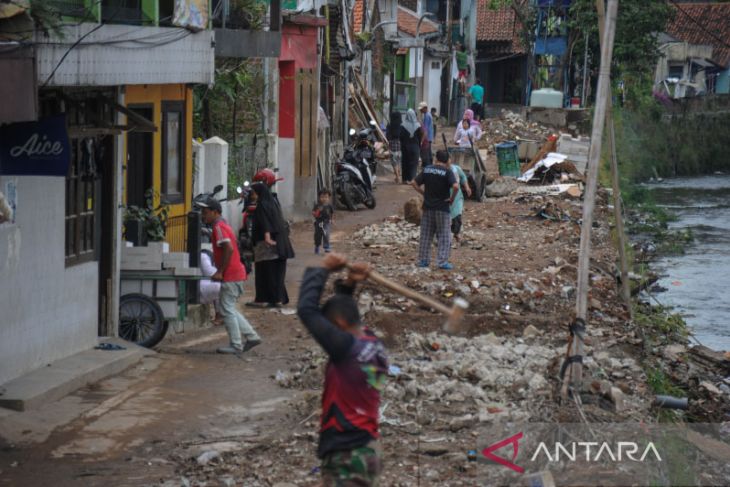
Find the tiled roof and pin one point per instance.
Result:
(697, 22)
(358, 15)
(408, 20)
(499, 28)
(495, 24)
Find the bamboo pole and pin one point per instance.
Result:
(618, 212)
(575, 369)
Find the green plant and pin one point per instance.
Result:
(153, 219)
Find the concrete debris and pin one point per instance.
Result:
(510, 126)
(500, 187)
(710, 387)
(207, 456)
(618, 398)
(388, 234)
(530, 332)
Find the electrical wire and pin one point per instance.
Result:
(63, 58)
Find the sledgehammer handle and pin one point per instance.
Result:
(408, 292)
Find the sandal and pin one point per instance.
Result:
(256, 304)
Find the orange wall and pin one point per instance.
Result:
(154, 95)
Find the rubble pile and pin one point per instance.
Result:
(392, 232)
(510, 126)
(517, 267)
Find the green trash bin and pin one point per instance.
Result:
(509, 162)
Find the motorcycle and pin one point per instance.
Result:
(354, 181)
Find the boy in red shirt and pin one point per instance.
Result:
(232, 273)
(355, 375)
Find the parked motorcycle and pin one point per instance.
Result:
(355, 177)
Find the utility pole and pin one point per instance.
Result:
(618, 212)
(575, 348)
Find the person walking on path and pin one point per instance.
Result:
(410, 142)
(271, 248)
(393, 133)
(476, 93)
(354, 376)
(457, 207)
(324, 215)
(428, 134)
(439, 187)
(231, 273)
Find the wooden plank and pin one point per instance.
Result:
(370, 109)
(304, 117)
(297, 126)
(313, 115)
(547, 147)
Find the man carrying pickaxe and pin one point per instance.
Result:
(355, 374)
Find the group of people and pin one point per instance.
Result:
(358, 366)
(410, 140)
(269, 237)
(443, 182)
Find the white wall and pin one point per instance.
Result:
(433, 83)
(47, 311)
(296, 194)
(285, 188)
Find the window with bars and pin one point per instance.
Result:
(173, 151)
(80, 209)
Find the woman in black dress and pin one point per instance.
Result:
(410, 141)
(270, 236)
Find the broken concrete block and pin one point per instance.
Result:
(618, 399)
(501, 187)
(537, 381)
(710, 387)
(530, 332)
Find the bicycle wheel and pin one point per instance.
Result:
(141, 320)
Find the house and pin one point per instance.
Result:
(501, 62)
(413, 78)
(695, 50)
(112, 98)
(298, 108)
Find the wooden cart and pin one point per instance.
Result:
(470, 161)
(150, 301)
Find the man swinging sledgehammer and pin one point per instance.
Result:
(355, 374)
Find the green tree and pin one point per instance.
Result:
(234, 104)
(635, 51)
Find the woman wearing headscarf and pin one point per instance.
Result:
(392, 132)
(272, 248)
(410, 140)
(469, 116)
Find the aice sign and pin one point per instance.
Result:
(35, 147)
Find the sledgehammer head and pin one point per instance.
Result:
(454, 318)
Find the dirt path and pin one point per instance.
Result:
(181, 402)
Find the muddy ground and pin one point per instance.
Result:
(189, 417)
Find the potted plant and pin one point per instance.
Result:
(146, 224)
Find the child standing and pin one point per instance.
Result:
(324, 215)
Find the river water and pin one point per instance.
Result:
(698, 283)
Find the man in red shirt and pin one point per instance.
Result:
(232, 273)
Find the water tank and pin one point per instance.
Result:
(546, 98)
